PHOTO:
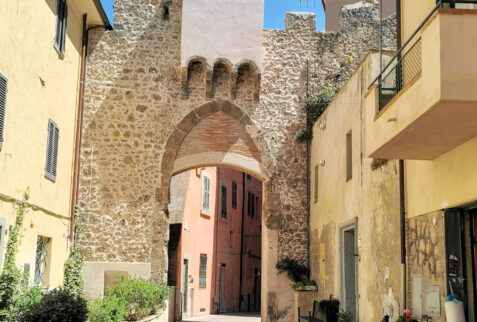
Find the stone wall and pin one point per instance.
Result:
(143, 110)
(425, 244)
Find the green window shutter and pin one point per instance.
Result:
(52, 150)
(3, 104)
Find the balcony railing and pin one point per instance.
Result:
(405, 65)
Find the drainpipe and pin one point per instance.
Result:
(79, 122)
(402, 191)
(241, 241)
(308, 178)
(216, 262)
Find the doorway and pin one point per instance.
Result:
(222, 289)
(348, 266)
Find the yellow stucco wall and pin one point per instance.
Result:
(370, 196)
(41, 85)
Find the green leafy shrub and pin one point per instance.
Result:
(316, 103)
(57, 306)
(111, 309)
(142, 298)
(296, 271)
(344, 316)
(11, 278)
(22, 301)
(301, 284)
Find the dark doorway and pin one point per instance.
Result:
(348, 277)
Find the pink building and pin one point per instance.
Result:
(215, 244)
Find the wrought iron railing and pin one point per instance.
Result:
(406, 64)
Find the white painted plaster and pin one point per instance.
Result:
(230, 29)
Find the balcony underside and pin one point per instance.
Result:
(443, 127)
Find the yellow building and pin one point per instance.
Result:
(355, 240)
(423, 109)
(40, 69)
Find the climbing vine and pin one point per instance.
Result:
(74, 281)
(12, 278)
(318, 100)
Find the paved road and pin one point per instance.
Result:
(236, 317)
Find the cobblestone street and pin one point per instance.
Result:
(236, 317)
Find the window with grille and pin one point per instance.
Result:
(205, 193)
(41, 261)
(3, 105)
(349, 160)
(52, 150)
(234, 195)
(223, 205)
(203, 271)
(61, 21)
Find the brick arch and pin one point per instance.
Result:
(185, 126)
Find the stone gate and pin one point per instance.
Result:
(158, 102)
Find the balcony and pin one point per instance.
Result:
(424, 103)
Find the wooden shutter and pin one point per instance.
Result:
(205, 193)
(52, 150)
(224, 202)
(3, 103)
(234, 194)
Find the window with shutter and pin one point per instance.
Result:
(224, 202)
(3, 105)
(234, 195)
(205, 193)
(61, 21)
(52, 150)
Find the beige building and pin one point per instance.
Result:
(354, 233)
(40, 70)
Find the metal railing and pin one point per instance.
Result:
(400, 74)
(406, 63)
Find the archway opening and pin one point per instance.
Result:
(214, 189)
(215, 243)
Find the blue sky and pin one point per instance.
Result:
(274, 11)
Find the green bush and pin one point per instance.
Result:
(301, 284)
(344, 316)
(74, 281)
(22, 301)
(142, 297)
(296, 271)
(111, 309)
(331, 308)
(57, 306)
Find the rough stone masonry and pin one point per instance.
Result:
(144, 111)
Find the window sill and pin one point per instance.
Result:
(50, 177)
(61, 55)
(204, 214)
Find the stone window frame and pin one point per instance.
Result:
(42, 261)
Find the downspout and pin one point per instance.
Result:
(216, 262)
(79, 128)
(79, 122)
(241, 241)
(402, 181)
(308, 177)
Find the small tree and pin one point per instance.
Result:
(11, 278)
(74, 281)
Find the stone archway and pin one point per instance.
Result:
(191, 144)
